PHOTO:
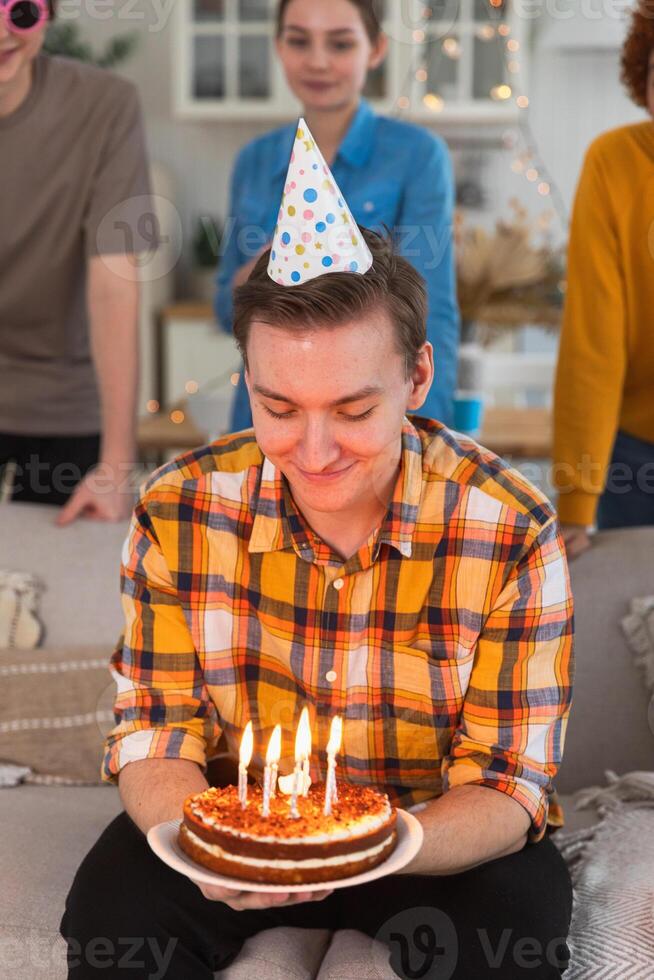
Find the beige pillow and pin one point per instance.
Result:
(56, 706)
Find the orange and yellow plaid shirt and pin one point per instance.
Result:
(445, 643)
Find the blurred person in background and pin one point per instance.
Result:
(391, 173)
(604, 395)
(75, 210)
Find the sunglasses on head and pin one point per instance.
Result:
(23, 16)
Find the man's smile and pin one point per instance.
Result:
(323, 477)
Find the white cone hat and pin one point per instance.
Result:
(315, 232)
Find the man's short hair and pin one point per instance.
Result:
(391, 284)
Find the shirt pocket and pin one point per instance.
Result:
(407, 704)
(425, 684)
(376, 202)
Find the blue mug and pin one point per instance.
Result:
(468, 414)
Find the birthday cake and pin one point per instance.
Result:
(358, 834)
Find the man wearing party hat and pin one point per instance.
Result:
(345, 556)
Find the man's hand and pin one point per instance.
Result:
(576, 539)
(101, 496)
(242, 900)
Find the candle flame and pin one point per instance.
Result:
(303, 737)
(247, 744)
(335, 735)
(274, 746)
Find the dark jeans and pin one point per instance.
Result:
(48, 467)
(507, 918)
(628, 500)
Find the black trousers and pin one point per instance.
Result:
(628, 499)
(48, 468)
(129, 915)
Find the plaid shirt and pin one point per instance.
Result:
(445, 642)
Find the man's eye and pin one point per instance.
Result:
(359, 418)
(343, 45)
(278, 415)
(296, 42)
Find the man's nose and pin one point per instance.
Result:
(318, 448)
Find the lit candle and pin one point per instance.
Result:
(273, 780)
(302, 753)
(270, 768)
(245, 754)
(333, 746)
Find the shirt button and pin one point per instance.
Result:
(369, 206)
(338, 584)
(331, 676)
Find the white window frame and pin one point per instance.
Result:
(281, 106)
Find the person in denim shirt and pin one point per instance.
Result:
(392, 173)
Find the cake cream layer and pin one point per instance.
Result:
(216, 817)
(279, 864)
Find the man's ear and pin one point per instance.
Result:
(421, 377)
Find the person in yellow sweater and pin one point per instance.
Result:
(604, 392)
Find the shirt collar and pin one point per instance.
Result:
(278, 526)
(356, 147)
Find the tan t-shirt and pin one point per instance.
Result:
(73, 184)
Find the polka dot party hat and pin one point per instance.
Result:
(315, 231)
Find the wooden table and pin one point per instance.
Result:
(157, 436)
(518, 433)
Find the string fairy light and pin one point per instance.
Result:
(526, 158)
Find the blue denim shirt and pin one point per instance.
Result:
(390, 172)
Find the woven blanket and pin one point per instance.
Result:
(638, 628)
(612, 869)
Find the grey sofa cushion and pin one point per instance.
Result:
(37, 869)
(608, 727)
(354, 956)
(280, 954)
(79, 565)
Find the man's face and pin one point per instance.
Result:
(328, 406)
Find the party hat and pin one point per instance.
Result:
(315, 231)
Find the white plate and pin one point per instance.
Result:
(163, 841)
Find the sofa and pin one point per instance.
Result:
(80, 606)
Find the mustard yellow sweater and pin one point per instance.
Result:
(605, 375)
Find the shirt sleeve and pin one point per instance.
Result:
(162, 708)
(120, 216)
(592, 352)
(512, 727)
(426, 222)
